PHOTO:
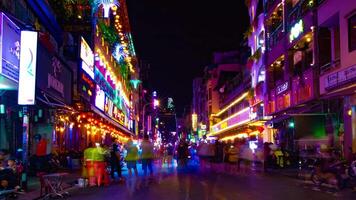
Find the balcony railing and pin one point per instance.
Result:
(235, 91)
(328, 66)
(276, 36)
(298, 11)
(269, 4)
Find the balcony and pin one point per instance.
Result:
(275, 36)
(329, 66)
(299, 10)
(270, 4)
(235, 90)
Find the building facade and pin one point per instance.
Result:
(336, 22)
(86, 81)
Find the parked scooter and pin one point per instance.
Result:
(334, 174)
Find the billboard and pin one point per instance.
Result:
(27, 76)
(10, 36)
(87, 56)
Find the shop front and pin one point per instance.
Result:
(53, 98)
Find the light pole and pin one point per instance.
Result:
(143, 117)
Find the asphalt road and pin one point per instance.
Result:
(173, 184)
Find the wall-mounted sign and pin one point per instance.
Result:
(341, 77)
(54, 76)
(109, 107)
(195, 122)
(86, 87)
(27, 77)
(296, 30)
(234, 120)
(99, 98)
(87, 56)
(282, 88)
(10, 36)
(53, 81)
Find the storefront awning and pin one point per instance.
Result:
(122, 128)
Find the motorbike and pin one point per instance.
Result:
(334, 174)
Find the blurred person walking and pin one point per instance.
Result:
(147, 155)
(182, 153)
(115, 158)
(131, 157)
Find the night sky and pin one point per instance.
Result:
(178, 38)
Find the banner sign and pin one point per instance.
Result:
(28, 58)
(10, 36)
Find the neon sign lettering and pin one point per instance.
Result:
(282, 88)
(296, 30)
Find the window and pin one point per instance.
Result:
(210, 95)
(352, 33)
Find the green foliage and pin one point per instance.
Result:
(256, 56)
(248, 32)
(109, 33)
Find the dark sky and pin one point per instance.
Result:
(178, 38)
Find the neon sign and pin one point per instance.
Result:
(87, 55)
(28, 58)
(296, 30)
(239, 118)
(282, 88)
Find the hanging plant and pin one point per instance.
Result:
(248, 32)
(108, 32)
(256, 56)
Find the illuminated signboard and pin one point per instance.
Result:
(234, 120)
(10, 36)
(194, 122)
(87, 56)
(282, 88)
(342, 77)
(99, 98)
(28, 58)
(109, 106)
(296, 30)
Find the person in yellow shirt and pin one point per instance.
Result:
(131, 157)
(147, 155)
(88, 169)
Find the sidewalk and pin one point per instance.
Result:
(34, 185)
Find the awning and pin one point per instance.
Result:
(278, 119)
(122, 128)
(51, 101)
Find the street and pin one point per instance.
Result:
(192, 184)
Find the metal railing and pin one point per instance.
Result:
(299, 10)
(275, 36)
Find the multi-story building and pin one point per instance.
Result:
(80, 94)
(256, 63)
(199, 116)
(239, 114)
(292, 72)
(337, 64)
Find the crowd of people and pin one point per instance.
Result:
(235, 156)
(10, 172)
